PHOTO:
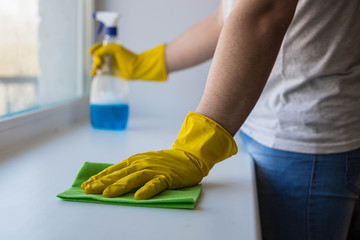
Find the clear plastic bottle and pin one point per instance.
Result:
(109, 108)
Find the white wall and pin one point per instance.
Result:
(147, 23)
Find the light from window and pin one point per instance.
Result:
(41, 49)
(19, 24)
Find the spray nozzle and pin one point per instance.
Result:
(107, 19)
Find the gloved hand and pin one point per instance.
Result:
(149, 65)
(200, 145)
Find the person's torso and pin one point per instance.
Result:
(311, 102)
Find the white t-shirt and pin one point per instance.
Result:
(227, 6)
(311, 102)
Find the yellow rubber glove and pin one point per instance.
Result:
(149, 65)
(200, 145)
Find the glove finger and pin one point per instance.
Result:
(98, 186)
(106, 171)
(94, 48)
(97, 63)
(102, 50)
(128, 183)
(152, 188)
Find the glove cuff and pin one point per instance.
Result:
(151, 65)
(206, 140)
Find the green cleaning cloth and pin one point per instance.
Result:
(180, 198)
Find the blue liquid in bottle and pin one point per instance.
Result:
(109, 117)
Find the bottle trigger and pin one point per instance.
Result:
(100, 29)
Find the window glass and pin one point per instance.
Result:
(42, 53)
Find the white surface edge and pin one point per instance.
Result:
(18, 130)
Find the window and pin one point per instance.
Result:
(43, 53)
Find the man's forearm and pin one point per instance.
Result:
(195, 45)
(245, 54)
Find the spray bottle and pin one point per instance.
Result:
(109, 107)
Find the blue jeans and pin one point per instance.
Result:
(304, 196)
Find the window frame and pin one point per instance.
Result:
(18, 129)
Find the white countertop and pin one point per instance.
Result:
(31, 178)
